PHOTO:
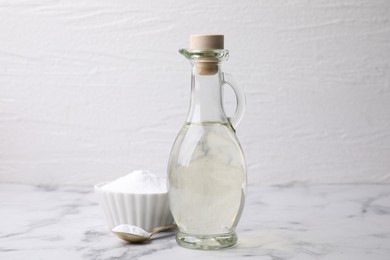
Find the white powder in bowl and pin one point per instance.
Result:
(140, 181)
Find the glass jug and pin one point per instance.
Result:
(206, 169)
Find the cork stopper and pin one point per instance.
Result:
(207, 65)
(206, 42)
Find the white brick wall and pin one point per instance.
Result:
(90, 90)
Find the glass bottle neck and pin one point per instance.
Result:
(206, 96)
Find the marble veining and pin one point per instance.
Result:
(332, 222)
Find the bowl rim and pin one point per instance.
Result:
(98, 188)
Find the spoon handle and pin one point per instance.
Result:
(159, 229)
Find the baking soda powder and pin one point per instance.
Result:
(140, 181)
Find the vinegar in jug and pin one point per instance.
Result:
(204, 186)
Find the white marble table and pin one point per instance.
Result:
(294, 222)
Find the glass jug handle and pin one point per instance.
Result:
(240, 99)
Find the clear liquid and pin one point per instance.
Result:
(207, 179)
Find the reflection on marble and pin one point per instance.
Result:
(332, 222)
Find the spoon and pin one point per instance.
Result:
(134, 234)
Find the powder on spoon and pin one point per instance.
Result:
(124, 228)
(140, 181)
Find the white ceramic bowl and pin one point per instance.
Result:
(143, 210)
